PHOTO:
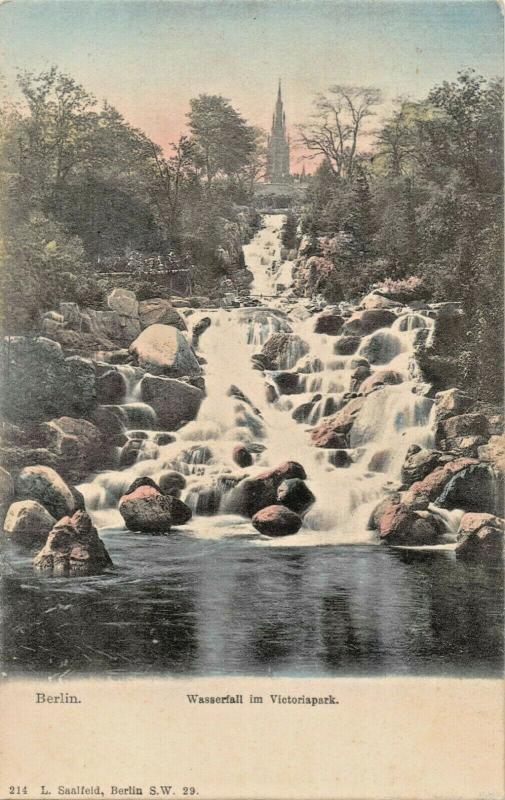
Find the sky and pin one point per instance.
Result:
(149, 57)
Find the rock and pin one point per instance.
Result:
(340, 459)
(432, 486)
(493, 453)
(288, 382)
(381, 508)
(162, 439)
(262, 362)
(450, 403)
(45, 485)
(276, 520)
(172, 483)
(39, 382)
(110, 387)
(360, 374)
(381, 347)
(346, 345)
(157, 311)
(14, 459)
(418, 464)
(375, 300)
(28, 522)
(80, 387)
(164, 350)
(242, 456)
(435, 349)
(252, 494)
(284, 350)
(480, 536)
(295, 495)
(73, 548)
(174, 402)
(328, 323)
(474, 488)
(463, 432)
(398, 525)
(111, 425)
(124, 302)
(146, 509)
(332, 431)
(380, 377)
(363, 323)
(130, 452)
(200, 328)
(79, 445)
(109, 328)
(407, 290)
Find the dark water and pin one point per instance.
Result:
(182, 605)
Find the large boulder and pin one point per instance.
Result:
(346, 345)
(480, 536)
(283, 350)
(73, 549)
(111, 425)
(164, 350)
(276, 520)
(419, 462)
(145, 508)
(252, 494)
(451, 403)
(242, 456)
(124, 302)
(174, 402)
(333, 430)
(362, 323)
(28, 522)
(295, 495)
(110, 387)
(380, 377)
(462, 433)
(329, 323)
(80, 446)
(399, 525)
(39, 382)
(158, 311)
(48, 488)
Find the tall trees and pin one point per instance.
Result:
(223, 139)
(337, 125)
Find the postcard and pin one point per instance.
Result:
(252, 447)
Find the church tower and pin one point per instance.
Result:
(278, 145)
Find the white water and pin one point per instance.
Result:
(393, 417)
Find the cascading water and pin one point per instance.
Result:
(271, 412)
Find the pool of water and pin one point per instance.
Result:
(186, 605)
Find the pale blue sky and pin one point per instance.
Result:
(148, 58)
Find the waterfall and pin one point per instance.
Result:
(271, 413)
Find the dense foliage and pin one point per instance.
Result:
(85, 192)
(425, 201)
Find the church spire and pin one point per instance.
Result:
(278, 143)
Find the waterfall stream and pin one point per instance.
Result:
(260, 415)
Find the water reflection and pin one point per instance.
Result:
(184, 605)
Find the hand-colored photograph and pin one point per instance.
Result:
(252, 345)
